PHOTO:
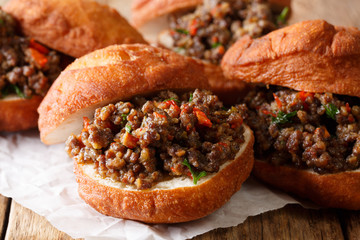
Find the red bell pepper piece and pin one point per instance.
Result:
(129, 140)
(278, 101)
(38, 46)
(38, 57)
(202, 118)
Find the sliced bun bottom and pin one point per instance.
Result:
(18, 113)
(338, 190)
(172, 201)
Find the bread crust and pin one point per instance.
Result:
(18, 114)
(74, 27)
(336, 190)
(311, 56)
(171, 205)
(111, 74)
(145, 10)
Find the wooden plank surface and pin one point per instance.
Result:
(24, 224)
(291, 222)
(351, 224)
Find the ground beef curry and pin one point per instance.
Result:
(215, 25)
(150, 139)
(27, 67)
(319, 131)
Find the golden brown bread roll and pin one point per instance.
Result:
(171, 201)
(72, 27)
(19, 114)
(118, 73)
(307, 142)
(312, 56)
(340, 190)
(101, 77)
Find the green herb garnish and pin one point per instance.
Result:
(195, 175)
(191, 97)
(1, 21)
(128, 128)
(169, 99)
(331, 110)
(281, 19)
(124, 116)
(215, 45)
(282, 118)
(182, 31)
(18, 91)
(12, 88)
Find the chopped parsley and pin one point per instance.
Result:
(331, 110)
(215, 45)
(195, 175)
(18, 91)
(182, 31)
(191, 97)
(281, 19)
(282, 117)
(128, 128)
(12, 88)
(124, 116)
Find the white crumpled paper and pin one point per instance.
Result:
(41, 178)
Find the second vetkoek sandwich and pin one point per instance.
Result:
(305, 110)
(37, 39)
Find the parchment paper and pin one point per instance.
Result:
(41, 178)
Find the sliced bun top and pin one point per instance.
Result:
(111, 74)
(74, 27)
(312, 56)
(145, 10)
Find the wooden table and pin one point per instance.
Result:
(290, 222)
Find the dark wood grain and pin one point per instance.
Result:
(290, 222)
(24, 224)
(351, 224)
(4, 211)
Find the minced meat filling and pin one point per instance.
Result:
(146, 140)
(320, 131)
(214, 26)
(27, 67)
